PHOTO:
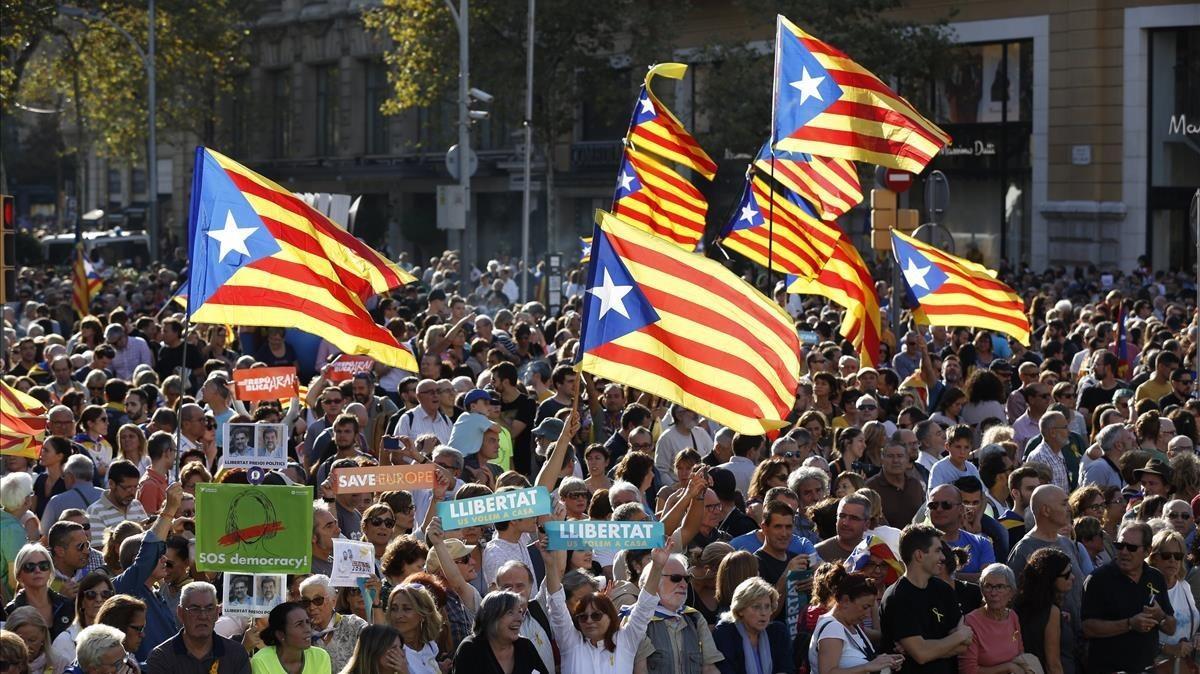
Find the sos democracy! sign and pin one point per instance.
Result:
(382, 478)
(602, 535)
(253, 529)
(502, 507)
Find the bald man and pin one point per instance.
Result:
(1051, 516)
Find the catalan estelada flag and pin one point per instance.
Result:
(683, 327)
(22, 423)
(846, 281)
(260, 256)
(654, 129)
(827, 105)
(777, 229)
(658, 200)
(85, 282)
(830, 185)
(957, 292)
(585, 249)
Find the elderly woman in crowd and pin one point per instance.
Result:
(997, 647)
(287, 644)
(99, 650)
(93, 590)
(34, 570)
(496, 645)
(746, 634)
(334, 632)
(1167, 552)
(17, 499)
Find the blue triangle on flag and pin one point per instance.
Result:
(613, 304)
(922, 275)
(748, 215)
(627, 179)
(804, 87)
(644, 112)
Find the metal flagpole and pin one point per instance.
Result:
(1195, 212)
(771, 206)
(525, 197)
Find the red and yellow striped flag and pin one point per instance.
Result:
(260, 256)
(22, 423)
(654, 129)
(830, 185)
(846, 281)
(797, 242)
(827, 105)
(85, 282)
(658, 200)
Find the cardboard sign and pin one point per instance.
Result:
(503, 507)
(253, 529)
(351, 560)
(383, 478)
(265, 383)
(604, 535)
(346, 366)
(248, 595)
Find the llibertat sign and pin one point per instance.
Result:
(604, 535)
(504, 506)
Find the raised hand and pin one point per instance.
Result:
(434, 531)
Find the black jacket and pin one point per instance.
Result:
(729, 642)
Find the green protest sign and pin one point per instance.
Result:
(253, 529)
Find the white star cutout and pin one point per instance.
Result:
(611, 296)
(916, 275)
(232, 237)
(647, 105)
(626, 181)
(808, 86)
(748, 214)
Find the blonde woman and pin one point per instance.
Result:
(412, 611)
(29, 624)
(131, 446)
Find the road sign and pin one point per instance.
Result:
(897, 180)
(452, 162)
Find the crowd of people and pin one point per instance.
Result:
(971, 505)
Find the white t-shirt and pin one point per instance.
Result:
(856, 646)
(1186, 614)
(423, 661)
(499, 551)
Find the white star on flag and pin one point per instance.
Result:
(647, 105)
(626, 181)
(808, 86)
(232, 237)
(748, 214)
(916, 275)
(612, 296)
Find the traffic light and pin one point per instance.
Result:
(8, 247)
(885, 216)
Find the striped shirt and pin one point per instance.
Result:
(104, 515)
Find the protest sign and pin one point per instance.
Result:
(248, 595)
(796, 599)
(242, 529)
(502, 507)
(346, 366)
(249, 445)
(351, 560)
(383, 478)
(604, 535)
(265, 383)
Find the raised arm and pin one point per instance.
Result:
(548, 475)
(450, 571)
(688, 510)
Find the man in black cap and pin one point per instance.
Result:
(734, 521)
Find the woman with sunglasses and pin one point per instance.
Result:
(93, 432)
(93, 590)
(1167, 552)
(1046, 631)
(34, 571)
(128, 614)
(590, 636)
(288, 649)
(334, 632)
(378, 527)
(451, 561)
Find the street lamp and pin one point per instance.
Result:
(147, 57)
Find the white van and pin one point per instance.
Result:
(116, 246)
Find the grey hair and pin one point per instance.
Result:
(318, 580)
(93, 642)
(747, 592)
(858, 500)
(723, 436)
(626, 511)
(778, 447)
(446, 450)
(571, 482)
(622, 487)
(1049, 418)
(196, 587)
(998, 570)
(800, 436)
(804, 474)
(15, 488)
(1109, 436)
(493, 607)
(517, 564)
(575, 579)
(27, 550)
(81, 467)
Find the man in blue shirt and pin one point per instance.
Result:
(946, 513)
(753, 540)
(144, 553)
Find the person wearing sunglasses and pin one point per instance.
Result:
(1125, 602)
(1167, 554)
(378, 527)
(34, 569)
(92, 592)
(336, 633)
(589, 633)
(127, 614)
(1046, 631)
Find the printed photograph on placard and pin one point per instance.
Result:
(260, 444)
(268, 439)
(239, 441)
(268, 591)
(239, 594)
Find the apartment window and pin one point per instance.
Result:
(327, 109)
(114, 181)
(137, 181)
(378, 141)
(281, 112)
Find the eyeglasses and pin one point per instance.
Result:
(592, 617)
(1185, 382)
(209, 422)
(1067, 573)
(30, 567)
(641, 445)
(995, 587)
(1127, 547)
(387, 522)
(465, 559)
(137, 628)
(944, 505)
(318, 600)
(790, 455)
(97, 594)
(1179, 515)
(200, 610)
(712, 507)
(678, 577)
(1176, 556)
(867, 408)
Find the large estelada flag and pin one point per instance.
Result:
(777, 229)
(846, 280)
(830, 185)
(260, 256)
(656, 199)
(85, 282)
(957, 292)
(828, 105)
(655, 129)
(22, 423)
(683, 327)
